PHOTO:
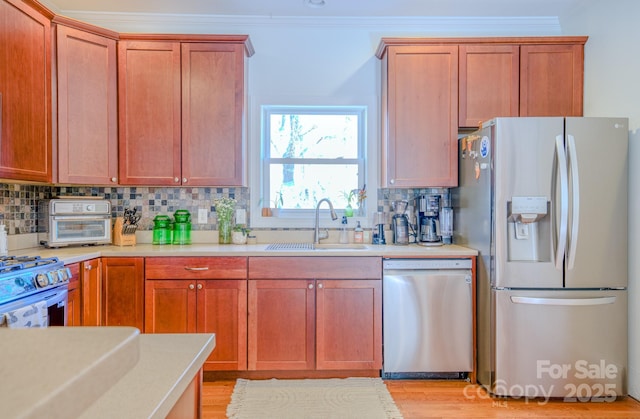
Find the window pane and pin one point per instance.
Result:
(303, 185)
(313, 136)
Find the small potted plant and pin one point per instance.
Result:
(239, 234)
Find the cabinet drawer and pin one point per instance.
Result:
(196, 268)
(315, 267)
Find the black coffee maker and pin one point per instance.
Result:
(428, 215)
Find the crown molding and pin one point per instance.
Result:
(192, 23)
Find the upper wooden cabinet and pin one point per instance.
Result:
(25, 92)
(87, 106)
(419, 116)
(181, 106)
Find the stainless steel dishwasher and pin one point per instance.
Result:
(427, 318)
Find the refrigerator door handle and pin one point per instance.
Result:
(564, 201)
(564, 301)
(575, 200)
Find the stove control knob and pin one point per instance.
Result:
(42, 279)
(53, 275)
(64, 274)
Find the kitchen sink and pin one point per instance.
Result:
(313, 247)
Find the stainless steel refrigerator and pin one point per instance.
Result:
(544, 200)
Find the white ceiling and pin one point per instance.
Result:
(333, 8)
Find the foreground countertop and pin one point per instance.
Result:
(96, 372)
(78, 254)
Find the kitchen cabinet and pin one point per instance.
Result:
(91, 286)
(315, 313)
(420, 116)
(25, 92)
(122, 302)
(74, 297)
(200, 295)
(182, 105)
(87, 105)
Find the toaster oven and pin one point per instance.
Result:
(74, 222)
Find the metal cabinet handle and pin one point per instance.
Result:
(310, 286)
(199, 286)
(392, 181)
(88, 267)
(196, 268)
(191, 286)
(114, 180)
(320, 286)
(176, 180)
(184, 180)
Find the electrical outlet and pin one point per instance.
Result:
(202, 215)
(241, 216)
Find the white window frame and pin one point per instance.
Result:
(306, 218)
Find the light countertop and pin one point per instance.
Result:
(96, 372)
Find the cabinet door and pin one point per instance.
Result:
(349, 324)
(25, 93)
(222, 309)
(212, 114)
(91, 277)
(149, 112)
(170, 306)
(87, 108)
(123, 292)
(74, 298)
(281, 324)
(489, 81)
(551, 80)
(420, 104)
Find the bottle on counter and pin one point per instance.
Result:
(344, 236)
(4, 250)
(358, 234)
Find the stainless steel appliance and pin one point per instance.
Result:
(544, 200)
(428, 209)
(427, 318)
(400, 223)
(33, 292)
(67, 222)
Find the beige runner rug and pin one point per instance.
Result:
(305, 399)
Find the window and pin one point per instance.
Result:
(310, 153)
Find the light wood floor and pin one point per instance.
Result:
(452, 399)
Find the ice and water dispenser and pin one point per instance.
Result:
(529, 229)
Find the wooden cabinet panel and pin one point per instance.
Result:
(420, 122)
(489, 82)
(123, 292)
(74, 298)
(349, 324)
(212, 114)
(25, 93)
(551, 80)
(196, 268)
(222, 309)
(170, 306)
(149, 112)
(91, 277)
(87, 108)
(350, 267)
(281, 325)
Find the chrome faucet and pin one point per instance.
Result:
(322, 234)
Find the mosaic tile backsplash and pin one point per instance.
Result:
(19, 202)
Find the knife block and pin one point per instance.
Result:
(121, 239)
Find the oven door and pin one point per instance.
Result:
(56, 301)
(94, 229)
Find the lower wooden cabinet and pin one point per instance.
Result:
(91, 286)
(330, 321)
(74, 297)
(200, 295)
(122, 302)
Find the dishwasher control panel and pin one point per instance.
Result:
(426, 264)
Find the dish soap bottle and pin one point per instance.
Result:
(358, 234)
(344, 237)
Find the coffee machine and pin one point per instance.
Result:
(428, 214)
(400, 223)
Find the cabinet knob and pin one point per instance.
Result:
(191, 286)
(310, 286)
(320, 286)
(176, 180)
(392, 181)
(184, 180)
(114, 180)
(88, 268)
(199, 286)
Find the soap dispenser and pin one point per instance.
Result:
(344, 236)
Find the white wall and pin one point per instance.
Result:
(612, 88)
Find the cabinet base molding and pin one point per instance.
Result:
(264, 375)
